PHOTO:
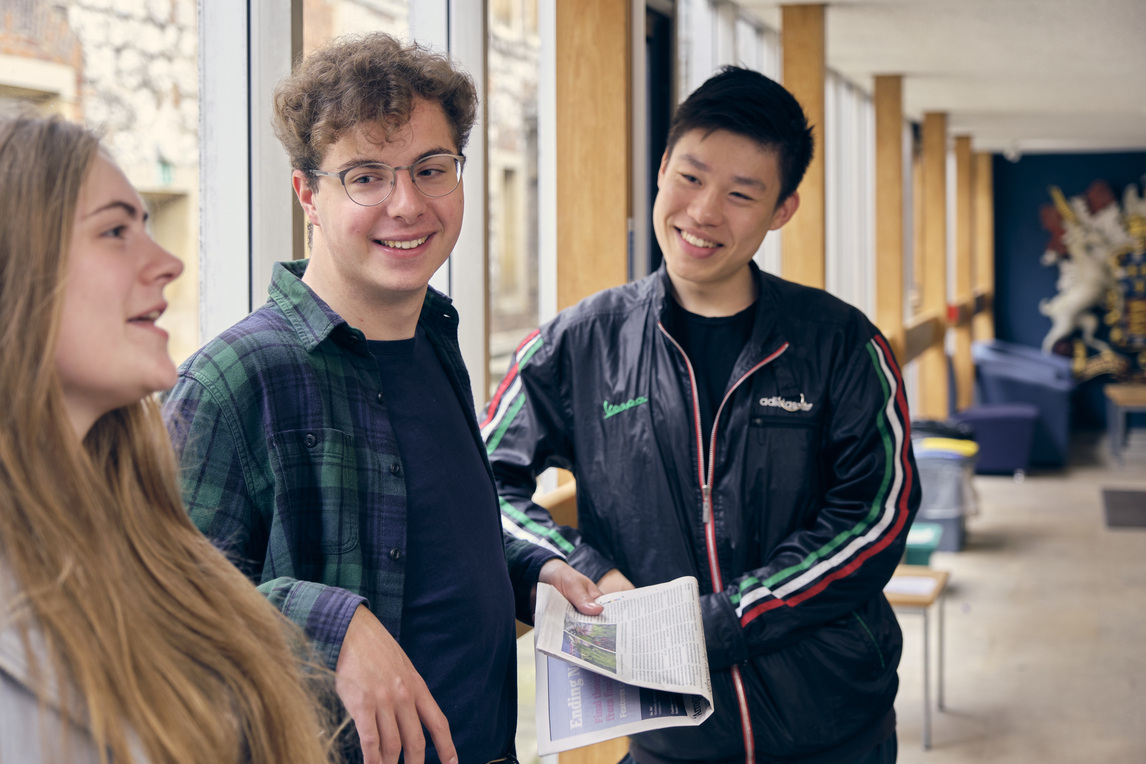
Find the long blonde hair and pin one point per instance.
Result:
(159, 635)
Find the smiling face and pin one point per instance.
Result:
(368, 262)
(717, 198)
(110, 352)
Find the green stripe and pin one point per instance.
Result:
(860, 528)
(537, 343)
(529, 524)
(517, 403)
(505, 422)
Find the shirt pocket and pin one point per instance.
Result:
(316, 494)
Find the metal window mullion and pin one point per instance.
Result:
(272, 196)
(460, 29)
(224, 182)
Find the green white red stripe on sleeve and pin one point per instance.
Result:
(508, 399)
(886, 520)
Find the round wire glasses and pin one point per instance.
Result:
(370, 184)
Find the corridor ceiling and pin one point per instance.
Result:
(1019, 76)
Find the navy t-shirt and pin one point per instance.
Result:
(458, 608)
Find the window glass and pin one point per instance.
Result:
(323, 20)
(511, 103)
(129, 71)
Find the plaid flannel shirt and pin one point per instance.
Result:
(290, 466)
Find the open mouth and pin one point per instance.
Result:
(696, 241)
(150, 317)
(402, 244)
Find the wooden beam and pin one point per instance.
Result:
(594, 161)
(964, 272)
(593, 147)
(983, 327)
(933, 387)
(889, 288)
(921, 333)
(561, 503)
(803, 241)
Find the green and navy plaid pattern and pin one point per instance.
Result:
(289, 463)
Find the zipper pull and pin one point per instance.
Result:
(707, 516)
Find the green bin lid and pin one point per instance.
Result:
(924, 534)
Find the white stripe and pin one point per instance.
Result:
(511, 393)
(518, 532)
(824, 567)
(506, 399)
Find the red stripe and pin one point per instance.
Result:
(771, 604)
(710, 540)
(888, 537)
(745, 719)
(495, 402)
(901, 514)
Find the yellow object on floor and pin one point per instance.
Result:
(954, 445)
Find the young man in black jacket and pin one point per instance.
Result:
(727, 424)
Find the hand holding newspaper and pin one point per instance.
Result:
(639, 665)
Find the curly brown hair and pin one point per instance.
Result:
(366, 79)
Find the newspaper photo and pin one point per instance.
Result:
(639, 665)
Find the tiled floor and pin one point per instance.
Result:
(1046, 625)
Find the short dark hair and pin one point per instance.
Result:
(747, 103)
(370, 78)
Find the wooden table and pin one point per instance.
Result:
(914, 589)
(1120, 401)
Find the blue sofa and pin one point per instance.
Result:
(1005, 433)
(1010, 373)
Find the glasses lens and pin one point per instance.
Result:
(437, 175)
(369, 184)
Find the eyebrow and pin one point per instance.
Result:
(127, 207)
(358, 161)
(742, 180)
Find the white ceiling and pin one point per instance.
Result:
(1016, 75)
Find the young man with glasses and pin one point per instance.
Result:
(328, 441)
(726, 424)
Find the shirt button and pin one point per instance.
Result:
(310, 441)
(380, 399)
(395, 554)
(395, 469)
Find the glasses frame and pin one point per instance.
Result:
(461, 160)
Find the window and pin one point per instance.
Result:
(849, 157)
(323, 20)
(512, 63)
(129, 73)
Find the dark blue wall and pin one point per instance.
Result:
(1020, 280)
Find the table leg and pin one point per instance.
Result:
(942, 599)
(926, 683)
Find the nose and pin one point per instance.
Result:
(705, 207)
(405, 201)
(162, 266)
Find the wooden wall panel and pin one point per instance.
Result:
(964, 271)
(594, 53)
(593, 147)
(983, 326)
(933, 387)
(889, 288)
(803, 240)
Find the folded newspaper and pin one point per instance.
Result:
(639, 665)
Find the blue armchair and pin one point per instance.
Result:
(1011, 373)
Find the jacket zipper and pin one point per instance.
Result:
(706, 469)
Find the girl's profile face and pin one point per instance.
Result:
(110, 352)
